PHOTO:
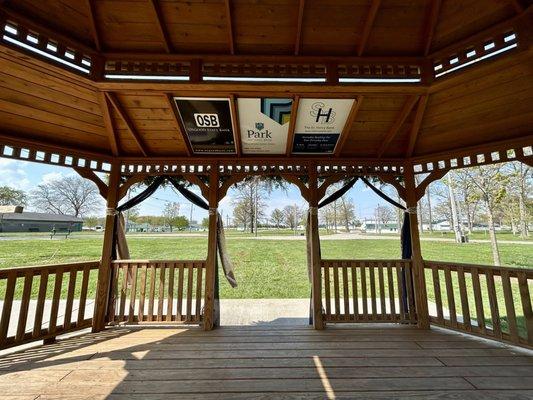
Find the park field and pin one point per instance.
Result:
(265, 268)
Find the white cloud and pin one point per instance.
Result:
(13, 174)
(51, 176)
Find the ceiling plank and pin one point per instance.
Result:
(369, 22)
(404, 113)
(108, 123)
(413, 135)
(179, 127)
(430, 25)
(346, 132)
(298, 41)
(94, 26)
(161, 26)
(292, 125)
(230, 27)
(129, 123)
(517, 5)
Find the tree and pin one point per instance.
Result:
(67, 195)
(520, 179)
(293, 216)
(181, 222)
(347, 212)
(490, 182)
(171, 213)
(277, 217)
(383, 215)
(241, 213)
(205, 222)
(12, 197)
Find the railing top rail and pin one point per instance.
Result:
(364, 261)
(495, 269)
(158, 261)
(37, 269)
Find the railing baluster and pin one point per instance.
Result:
(409, 288)
(179, 306)
(355, 300)
(493, 301)
(8, 303)
(24, 305)
(83, 296)
(450, 296)
(345, 292)
(170, 294)
(372, 290)
(112, 308)
(480, 313)
(401, 292)
(52, 326)
(437, 291)
(382, 292)
(151, 293)
(123, 292)
(133, 293)
(363, 290)
(464, 298)
(161, 295)
(525, 297)
(509, 306)
(198, 299)
(142, 292)
(188, 304)
(41, 298)
(391, 292)
(327, 289)
(336, 290)
(67, 320)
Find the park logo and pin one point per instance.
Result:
(322, 115)
(259, 133)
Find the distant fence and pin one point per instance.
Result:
(368, 291)
(58, 298)
(157, 291)
(493, 302)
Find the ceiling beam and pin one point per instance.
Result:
(230, 27)
(298, 41)
(369, 22)
(413, 135)
(108, 123)
(93, 25)
(393, 131)
(292, 125)
(160, 22)
(129, 123)
(517, 5)
(430, 24)
(347, 128)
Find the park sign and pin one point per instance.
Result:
(264, 124)
(319, 124)
(207, 123)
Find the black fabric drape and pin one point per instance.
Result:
(338, 194)
(405, 238)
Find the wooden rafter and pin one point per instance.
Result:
(433, 176)
(391, 180)
(430, 24)
(367, 28)
(195, 180)
(93, 25)
(402, 116)
(179, 127)
(413, 134)
(295, 180)
(129, 123)
(292, 126)
(298, 41)
(231, 38)
(161, 25)
(90, 175)
(236, 126)
(347, 128)
(108, 123)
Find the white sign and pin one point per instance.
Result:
(264, 125)
(319, 124)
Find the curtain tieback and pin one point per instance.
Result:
(313, 210)
(212, 210)
(111, 211)
(411, 210)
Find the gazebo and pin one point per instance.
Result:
(314, 92)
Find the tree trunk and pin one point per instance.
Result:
(521, 204)
(455, 216)
(430, 215)
(493, 240)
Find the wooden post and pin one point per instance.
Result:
(316, 276)
(211, 312)
(104, 272)
(416, 257)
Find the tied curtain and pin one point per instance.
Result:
(120, 247)
(405, 235)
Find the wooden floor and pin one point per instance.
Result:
(365, 362)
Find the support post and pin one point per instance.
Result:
(104, 272)
(211, 309)
(419, 278)
(316, 276)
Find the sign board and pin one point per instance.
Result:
(319, 124)
(264, 125)
(207, 123)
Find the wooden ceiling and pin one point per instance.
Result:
(490, 102)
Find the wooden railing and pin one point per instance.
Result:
(368, 291)
(493, 302)
(157, 291)
(55, 295)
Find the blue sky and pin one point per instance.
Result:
(26, 176)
